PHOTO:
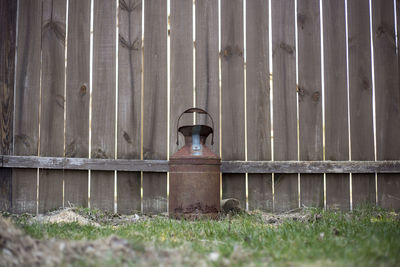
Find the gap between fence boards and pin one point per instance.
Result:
(226, 166)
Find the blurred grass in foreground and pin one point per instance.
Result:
(364, 237)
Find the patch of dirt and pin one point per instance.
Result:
(64, 216)
(18, 249)
(302, 215)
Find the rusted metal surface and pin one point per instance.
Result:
(194, 184)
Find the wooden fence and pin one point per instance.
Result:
(305, 96)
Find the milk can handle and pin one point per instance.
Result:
(200, 111)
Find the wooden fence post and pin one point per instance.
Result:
(387, 99)
(286, 195)
(258, 102)
(155, 103)
(77, 100)
(232, 94)
(336, 121)
(103, 102)
(129, 102)
(360, 88)
(52, 101)
(310, 99)
(8, 15)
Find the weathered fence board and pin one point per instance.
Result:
(27, 93)
(226, 166)
(155, 103)
(336, 111)
(360, 88)
(129, 102)
(310, 98)
(258, 102)
(286, 195)
(52, 101)
(103, 101)
(232, 106)
(77, 100)
(207, 83)
(128, 192)
(181, 92)
(8, 15)
(387, 99)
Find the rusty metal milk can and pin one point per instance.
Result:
(194, 173)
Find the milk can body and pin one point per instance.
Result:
(194, 175)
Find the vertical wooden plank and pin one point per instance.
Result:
(310, 98)
(103, 102)
(387, 99)
(258, 101)
(233, 139)
(336, 122)
(155, 103)
(207, 87)
(5, 189)
(129, 95)
(181, 93)
(284, 101)
(77, 100)
(8, 15)
(360, 88)
(52, 101)
(26, 135)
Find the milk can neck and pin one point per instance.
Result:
(195, 137)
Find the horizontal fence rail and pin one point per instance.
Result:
(59, 163)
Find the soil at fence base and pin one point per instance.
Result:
(18, 249)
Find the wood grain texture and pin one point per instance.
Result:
(336, 110)
(129, 79)
(181, 94)
(102, 190)
(387, 99)
(310, 98)
(128, 192)
(24, 191)
(155, 103)
(226, 167)
(360, 88)
(154, 192)
(103, 101)
(8, 15)
(75, 188)
(284, 102)
(207, 83)
(77, 100)
(52, 101)
(233, 139)
(26, 110)
(50, 190)
(258, 102)
(5, 189)
(129, 102)
(28, 78)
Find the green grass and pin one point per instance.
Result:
(365, 237)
